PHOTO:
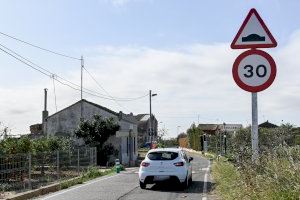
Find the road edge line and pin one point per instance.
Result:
(205, 182)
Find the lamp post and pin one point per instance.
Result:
(178, 127)
(225, 145)
(224, 137)
(151, 131)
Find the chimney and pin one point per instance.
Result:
(45, 112)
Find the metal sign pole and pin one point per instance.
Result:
(254, 128)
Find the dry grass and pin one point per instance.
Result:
(275, 176)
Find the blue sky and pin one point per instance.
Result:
(168, 23)
(179, 48)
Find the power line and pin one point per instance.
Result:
(100, 95)
(56, 77)
(113, 97)
(41, 48)
(49, 75)
(103, 89)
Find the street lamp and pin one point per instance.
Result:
(151, 131)
(178, 127)
(224, 137)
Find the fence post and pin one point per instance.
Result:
(78, 161)
(95, 150)
(29, 171)
(57, 164)
(90, 152)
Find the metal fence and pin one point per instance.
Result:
(21, 172)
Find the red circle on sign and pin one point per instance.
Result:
(245, 86)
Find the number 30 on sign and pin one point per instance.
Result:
(254, 70)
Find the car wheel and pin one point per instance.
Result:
(185, 184)
(191, 180)
(142, 185)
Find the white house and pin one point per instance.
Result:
(65, 121)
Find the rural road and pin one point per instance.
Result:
(124, 186)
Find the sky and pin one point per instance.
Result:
(178, 49)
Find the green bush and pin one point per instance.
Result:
(276, 175)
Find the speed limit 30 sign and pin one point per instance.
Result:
(254, 70)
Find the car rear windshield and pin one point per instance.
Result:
(162, 155)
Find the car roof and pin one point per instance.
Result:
(166, 149)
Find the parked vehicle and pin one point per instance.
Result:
(166, 163)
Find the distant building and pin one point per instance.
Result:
(36, 131)
(213, 129)
(267, 124)
(144, 128)
(66, 121)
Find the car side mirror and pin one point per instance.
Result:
(190, 159)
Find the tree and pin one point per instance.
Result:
(160, 137)
(182, 140)
(194, 135)
(96, 132)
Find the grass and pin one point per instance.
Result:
(275, 176)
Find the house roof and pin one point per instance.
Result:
(208, 127)
(123, 116)
(267, 124)
(143, 117)
(139, 116)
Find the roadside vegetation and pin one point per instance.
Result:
(276, 173)
(25, 144)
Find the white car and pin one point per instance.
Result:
(163, 164)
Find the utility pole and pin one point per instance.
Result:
(151, 131)
(81, 106)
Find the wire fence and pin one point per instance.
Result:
(21, 172)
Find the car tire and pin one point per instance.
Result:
(185, 184)
(142, 185)
(191, 180)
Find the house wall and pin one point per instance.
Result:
(66, 122)
(143, 131)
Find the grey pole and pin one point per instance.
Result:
(254, 128)
(82, 64)
(150, 95)
(78, 160)
(81, 77)
(57, 165)
(29, 171)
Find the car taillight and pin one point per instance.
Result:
(179, 164)
(145, 164)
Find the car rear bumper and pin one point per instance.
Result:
(152, 177)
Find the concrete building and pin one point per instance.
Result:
(65, 121)
(144, 128)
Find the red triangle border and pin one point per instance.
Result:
(252, 46)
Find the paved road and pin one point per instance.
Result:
(124, 186)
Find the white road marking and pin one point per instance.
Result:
(76, 187)
(205, 181)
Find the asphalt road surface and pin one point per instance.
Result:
(125, 186)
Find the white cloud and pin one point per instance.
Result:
(190, 81)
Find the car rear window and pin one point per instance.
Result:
(162, 155)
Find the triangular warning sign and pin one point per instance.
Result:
(253, 33)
